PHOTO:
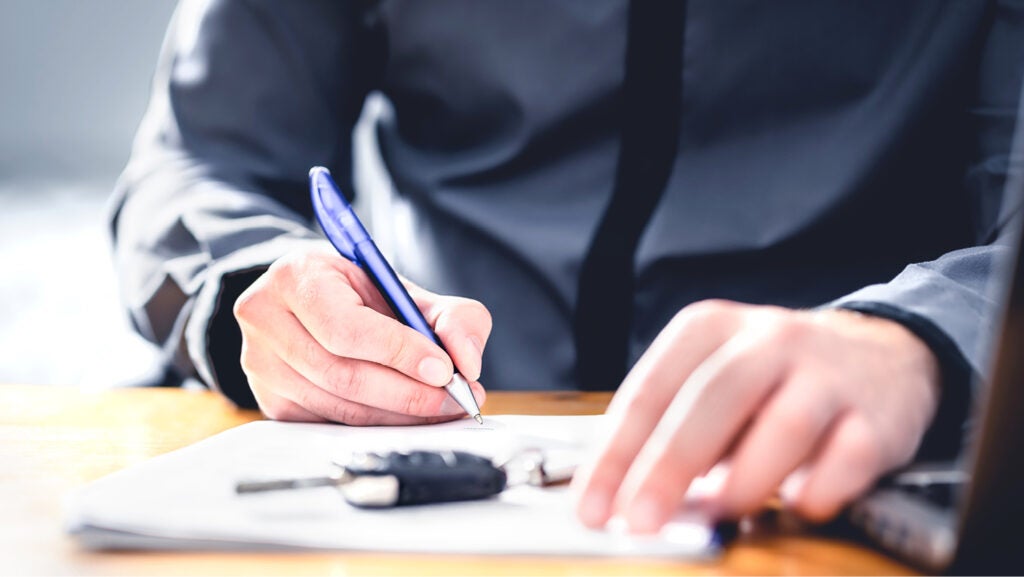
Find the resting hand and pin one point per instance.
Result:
(819, 403)
(319, 343)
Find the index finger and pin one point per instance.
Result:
(718, 400)
(462, 324)
(696, 333)
(332, 311)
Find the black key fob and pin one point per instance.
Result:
(396, 479)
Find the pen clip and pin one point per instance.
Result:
(328, 206)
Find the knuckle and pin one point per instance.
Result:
(308, 350)
(339, 336)
(340, 377)
(782, 330)
(702, 313)
(406, 405)
(246, 305)
(397, 350)
(350, 414)
(356, 383)
(346, 413)
(334, 331)
(417, 404)
(307, 291)
(286, 269)
(326, 405)
(297, 350)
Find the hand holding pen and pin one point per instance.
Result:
(321, 343)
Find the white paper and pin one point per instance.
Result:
(186, 499)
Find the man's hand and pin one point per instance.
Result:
(819, 404)
(319, 343)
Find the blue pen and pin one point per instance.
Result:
(347, 234)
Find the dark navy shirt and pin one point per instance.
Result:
(830, 153)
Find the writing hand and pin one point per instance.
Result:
(819, 403)
(319, 343)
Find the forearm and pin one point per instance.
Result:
(215, 188)
(951, 304)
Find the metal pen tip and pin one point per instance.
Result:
(478, 418)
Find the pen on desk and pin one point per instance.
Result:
(345, 231)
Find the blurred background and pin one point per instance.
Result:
(75, 81)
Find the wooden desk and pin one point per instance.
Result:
(54, 439)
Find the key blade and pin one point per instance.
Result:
(286, 484)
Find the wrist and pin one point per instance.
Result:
(903, 341)
(955, 380)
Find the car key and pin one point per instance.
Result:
(395, 479)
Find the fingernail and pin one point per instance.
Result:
(646, 515)
(594, 508)
(434, 371)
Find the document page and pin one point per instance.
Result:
(186, 499)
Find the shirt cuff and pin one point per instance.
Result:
(212, 336)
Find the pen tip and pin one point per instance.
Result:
(478, 418)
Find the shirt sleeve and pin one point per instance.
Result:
(953, 302)
(248, 95)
